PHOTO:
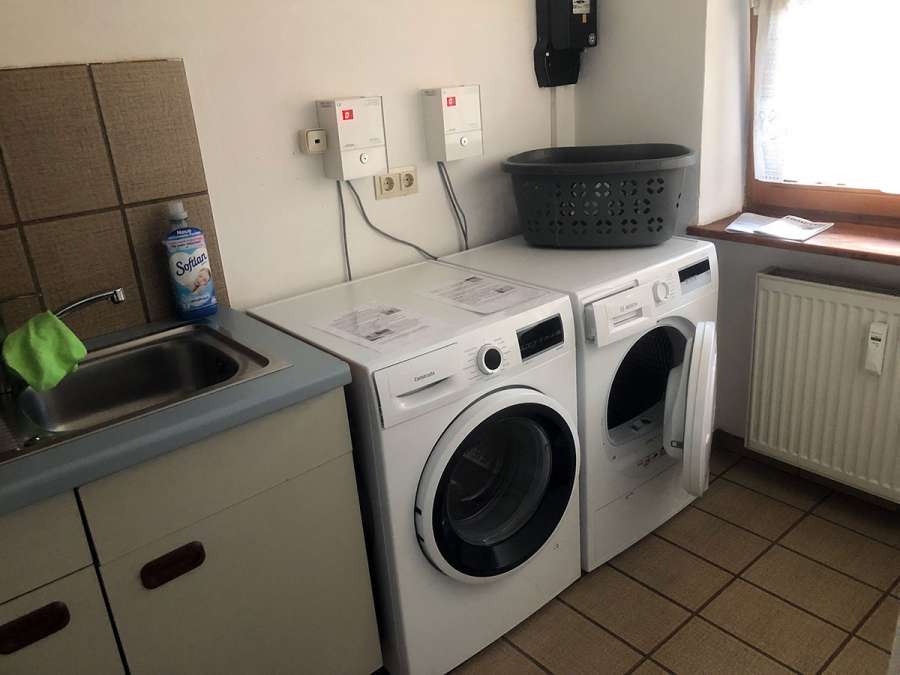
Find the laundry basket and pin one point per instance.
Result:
(604, 196)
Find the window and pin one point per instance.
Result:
(826, 106)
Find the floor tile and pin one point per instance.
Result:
(16, 277)
(751, 510)
(880, 628)
(864, 517)
(500, 658)
(700, 648)
(859, 658)
(722, 459)
(675, 573)
(624, 607)
(777, 484)
(896, 591)
(649, 668)
(830, 595)
(773, 626)
(714, 539)
(563, 641)
(860, 557)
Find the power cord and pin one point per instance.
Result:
(458, 212)
(362, 211)
(348, 272)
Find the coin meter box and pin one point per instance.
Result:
(453, 122)
(356, 144)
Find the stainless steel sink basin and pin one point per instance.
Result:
(140, 376)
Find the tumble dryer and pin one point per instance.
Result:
(645, 322)
(463, 413)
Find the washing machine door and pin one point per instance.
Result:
(496, 485)
(690, 408)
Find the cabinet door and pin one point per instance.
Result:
(276, 584)
(59, 628)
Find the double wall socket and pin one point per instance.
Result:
(398, 183)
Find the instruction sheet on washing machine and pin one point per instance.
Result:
(380, 327)
(483, 295)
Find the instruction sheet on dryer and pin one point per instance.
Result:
(381, 327)
(483, 295)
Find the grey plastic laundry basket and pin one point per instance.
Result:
(604, 196)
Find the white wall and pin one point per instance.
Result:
(254, 70)
(723, 159)
(644, 81)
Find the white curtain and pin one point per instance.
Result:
(827, 93)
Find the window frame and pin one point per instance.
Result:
(820, 201)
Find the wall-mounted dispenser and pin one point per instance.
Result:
(354, 130)
(453, 122)
(564, 29)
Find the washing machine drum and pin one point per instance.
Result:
(496, 485)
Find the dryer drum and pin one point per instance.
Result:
(640, 382)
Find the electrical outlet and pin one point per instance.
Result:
(314, 141)
(409, 180)
(387, 185)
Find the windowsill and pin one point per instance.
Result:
(877, 243)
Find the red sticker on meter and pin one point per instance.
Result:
(451, 101)
(347, 114)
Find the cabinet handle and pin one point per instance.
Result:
(172, 565)
(34, 626)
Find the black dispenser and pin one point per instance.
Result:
(564, 29)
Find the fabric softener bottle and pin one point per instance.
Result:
(189, 267)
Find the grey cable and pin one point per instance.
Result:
(362, 211)
(344, 244)
(458, 212)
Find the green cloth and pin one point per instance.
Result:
(43, 351)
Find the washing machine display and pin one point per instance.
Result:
(496, 485)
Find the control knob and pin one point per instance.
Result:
(489, 359)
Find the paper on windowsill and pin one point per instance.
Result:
(792, 228)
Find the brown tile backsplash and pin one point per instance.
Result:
(150, 123)
(16, 312)
(98, 245)
(7, 214)
(60, 126)
(15, 276)
(52, 142)
(148, 227)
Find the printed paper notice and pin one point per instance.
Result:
(483, 295)
(379, 327)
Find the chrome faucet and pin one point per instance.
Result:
(10, 382)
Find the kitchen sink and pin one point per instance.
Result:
(133, 378)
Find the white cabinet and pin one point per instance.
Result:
(243, 553)
(276, 584)
(62, 627)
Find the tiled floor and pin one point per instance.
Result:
(767, 573)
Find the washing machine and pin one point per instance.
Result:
(463, 412)
(646, 333)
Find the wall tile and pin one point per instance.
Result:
(53, 143)
(148, 227)
(7, 215)
(77, 256)
(15, 277)
(16, 312)
(150, 123)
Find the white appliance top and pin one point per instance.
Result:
(387, 318)
(575, 271)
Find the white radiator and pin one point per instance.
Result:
(813, 403)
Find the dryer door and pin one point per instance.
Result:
(497, 484)
(690, 408)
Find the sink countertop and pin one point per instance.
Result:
(70, 464)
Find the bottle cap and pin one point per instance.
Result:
(176, 210)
